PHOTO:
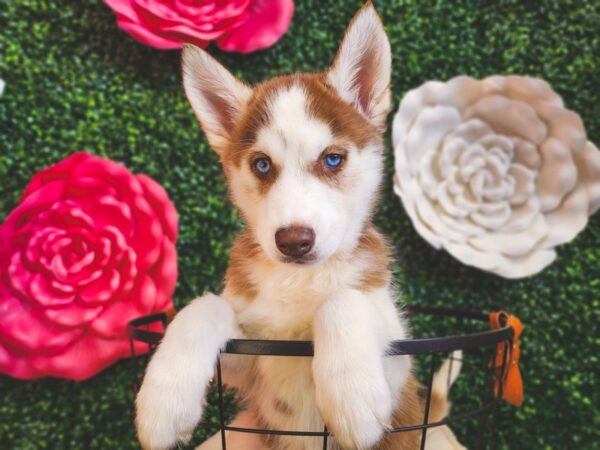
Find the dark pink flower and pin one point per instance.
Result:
(235, 25)
(90, 247)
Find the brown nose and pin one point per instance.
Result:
(295, 240)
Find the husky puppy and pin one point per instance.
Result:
(303, 156)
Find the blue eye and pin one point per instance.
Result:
(262, 165)
(333, 160)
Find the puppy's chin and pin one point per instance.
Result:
(308, 260)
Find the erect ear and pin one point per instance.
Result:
(361, 70)
(217, 97)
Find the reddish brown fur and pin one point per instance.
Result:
(237, 278)
(411, 411)
(377, 273)
(346, 124)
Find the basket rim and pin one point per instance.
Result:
(260, 347)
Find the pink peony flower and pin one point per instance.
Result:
(90, 247)
(236, 25)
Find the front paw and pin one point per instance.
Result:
(165, 413)
(355, 403)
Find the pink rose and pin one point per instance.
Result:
(236, 25)
(90, 247)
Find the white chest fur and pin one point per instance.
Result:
(281, 389)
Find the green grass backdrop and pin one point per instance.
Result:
(74, 81)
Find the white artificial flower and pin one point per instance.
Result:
(496, 171)
(2, 85)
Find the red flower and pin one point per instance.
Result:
(90, 247)
(236, 25)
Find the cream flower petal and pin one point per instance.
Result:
(509, 117)
(564, 125)
(411, 105)
(429, 128)
(452, 149)
(522, 216)
(566, 221)
(513, 244)
(530, 90)
(558, 174)
(589, 164)
(527, 154)
(500, 264)
(495, 171)
(463, 226)
(431, 218)
(460, 91)
(524, 183)
(492, 216)
(472, 131)
(427, 174)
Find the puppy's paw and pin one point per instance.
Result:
(355, 403)
(165, 414)
(170, 402)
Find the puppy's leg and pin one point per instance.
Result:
(353, 395)
(171, 399)
(237, 441)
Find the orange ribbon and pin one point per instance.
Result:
(509, 383)
(170, 314)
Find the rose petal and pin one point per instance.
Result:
(101, 289)
(24, 330)
(109, 211)
(89, 355)
(164, 274)
(112, 323)
(40, 292)
(160, 202)
(72, 314)
(17, 365)
(58, 171)
(267, 21)
(147, 37)
(87, 174)
(123, 8)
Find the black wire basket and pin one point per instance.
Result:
(497, 345)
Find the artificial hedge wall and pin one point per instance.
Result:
(74, 81)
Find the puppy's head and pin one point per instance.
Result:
(302, 153)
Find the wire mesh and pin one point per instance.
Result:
(143, 330)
